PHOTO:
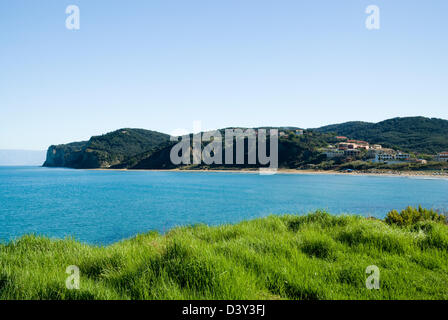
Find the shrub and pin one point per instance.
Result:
(411, 216)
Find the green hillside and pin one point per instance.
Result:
(293, 151)
(145, 149)
(417, 134)
(106, 150)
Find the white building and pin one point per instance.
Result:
(402, 156)
(443, 156)
(384, 157)
(373, 152)
(334, 153)
(351, 152)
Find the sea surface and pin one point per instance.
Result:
(102, 207)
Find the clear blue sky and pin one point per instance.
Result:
(161, 64)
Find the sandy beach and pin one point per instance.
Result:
(422, 174)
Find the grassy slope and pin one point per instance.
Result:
(279, 257)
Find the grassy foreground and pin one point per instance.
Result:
(317, 256)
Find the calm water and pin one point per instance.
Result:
(102, 207)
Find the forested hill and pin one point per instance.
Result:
(417, 134)
(293, 151)
(106, 150)
(145, 149)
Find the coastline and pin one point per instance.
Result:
(408, 174)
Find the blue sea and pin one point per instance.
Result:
(102, 207)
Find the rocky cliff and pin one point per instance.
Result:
(104, 151)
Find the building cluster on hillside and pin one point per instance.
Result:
(443, 156)
(350, 149)
(375, 152)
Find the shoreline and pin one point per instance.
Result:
(295, 171)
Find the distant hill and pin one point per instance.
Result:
(417, 134)
(106, 150)
(21, 157)
(145, 149)
(293, 151)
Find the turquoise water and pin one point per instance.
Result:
(102, 207)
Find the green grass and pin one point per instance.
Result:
(318, 256)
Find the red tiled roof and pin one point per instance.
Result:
(358, 141)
